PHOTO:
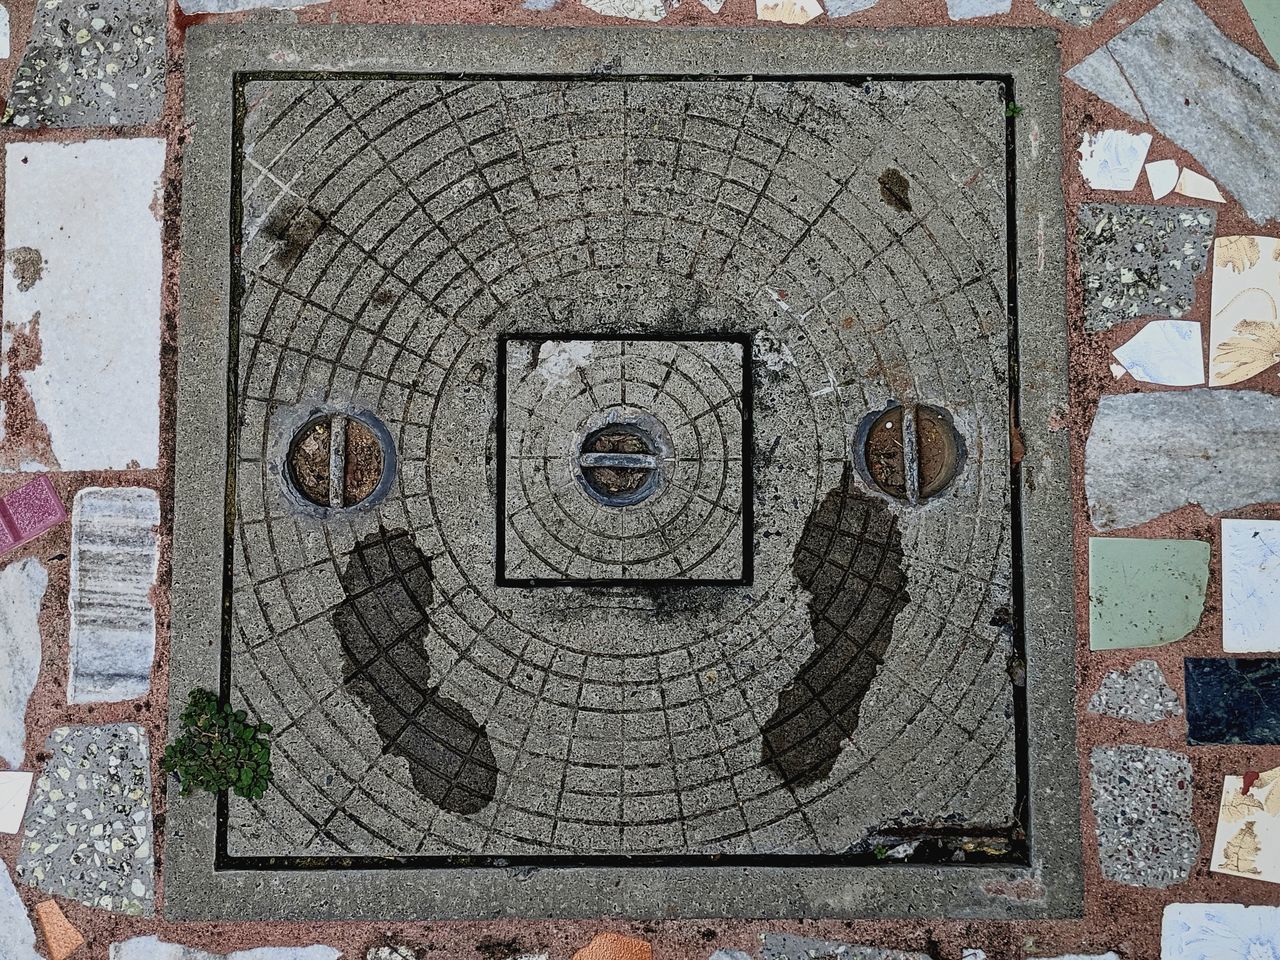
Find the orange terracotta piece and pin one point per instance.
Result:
(614, 946)
(61, 939)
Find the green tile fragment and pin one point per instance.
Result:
(1266, 17)
(1144, 593)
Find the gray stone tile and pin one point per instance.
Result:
(19, 936)
(1142, 813)
(1140, 261)
(22, 587)
(91, 64)
(113, 568)
(1078, 13)
(1149, 453)
(786, 946)
(969, 9)
(153, 948)
(88, 833)
(1221, 104)
(1139, 694)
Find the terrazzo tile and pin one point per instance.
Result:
(1141, 800)
(1139, 260)
(1139, 693)
(1145, 593)
(615, 946)
(1168, 352)
(845, 8)
(22, 587)
(1248, 837)
(153, 948)
(971, 9)
(61, 938)
(786, 946)
(1233, 701)
(1251, 586)
(1162, 178)
(1078, 13)
(88, 835)
(91, 65)
(15, 788)
(114, 557)
(1113, 159)
(1218, 90)
(651, 10)
(34, 508)
(1244, 333)
(788, 11)
(82, 290)
(19, 935)
(1219, 931)
(1149, 453)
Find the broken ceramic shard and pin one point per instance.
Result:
(788, 11)
(22, 587)
(1245, 326)
(651, 10)
(972, 9)
(1139, 694)
(1149, 453)
(1112, 159)
(1140, 260)
(1233, 700)
(1247, 843)
(34, 508)
(1145, 593)
(15, 787)
(1198, 187)
(1162, 178)
(1251, 586)
(1142, 810)
(1168, 352)
(114, 557)
(1266, 18)
(844, 8)
(61, 938)
(1218, 90)
(615, 946)
(1219, 931)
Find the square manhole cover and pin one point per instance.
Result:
(613, 508)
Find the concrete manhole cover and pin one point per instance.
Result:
(624, 502)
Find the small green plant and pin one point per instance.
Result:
(881, 851)
(1012, 110)
(219, 749)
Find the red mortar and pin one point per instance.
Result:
(1120, 918)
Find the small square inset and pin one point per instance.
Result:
(622, 460)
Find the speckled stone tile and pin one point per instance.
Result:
(1139, 694)
(91, 64)
(1142, 813)
(1140, 261)
(1078, 13)
(88, 834)
(1233, 701)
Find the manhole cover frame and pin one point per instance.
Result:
(200, 882)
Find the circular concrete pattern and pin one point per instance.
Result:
(488, 265)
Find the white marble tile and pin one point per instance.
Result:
(788, 11)
(1198, 187)
(1219, 931)
(4, 32)
(114, 555)
(153, 948)
(969, 9)
(15, 788)
(19, 936)
(1162, 178)
(1167, 352)
(845, 8)
(1248, 838)
(22, 587)
(82, 289)
(1112, 159)
(1244, 332)
(1251, 586)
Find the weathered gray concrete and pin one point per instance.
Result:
(1149, 453)
(460, 563)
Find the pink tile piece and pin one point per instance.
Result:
(28, 512)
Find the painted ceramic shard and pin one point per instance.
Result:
(1149, 453)
(788, 11)
(1078, 13)
(15, 787)
(1233, 701)
(1112, 159)
(1198, 187)
(1139, 260)
(1162, 178)
(1244, 332)
(34, 508)
(1141, 798)
(1139, 694)
(1248, 838)
(1217, 90)
(91, 65)
(114, 556)
(651, 10)
(1219, 931)
(82, 295)
(153, 948)
(1167, 352)
(1251, 586)
(22, 587)
(98, 778)
(1145, 593)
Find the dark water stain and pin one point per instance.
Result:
(850, 560)
(382, 624)
(895, 190)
